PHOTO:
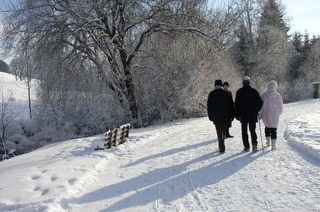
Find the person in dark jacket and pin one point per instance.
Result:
(247, 105)
(220, 109)
(226, 88)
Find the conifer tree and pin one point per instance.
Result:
(273, 52)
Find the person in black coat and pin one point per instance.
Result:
(247, 105)
(220, 109)
(226, 88)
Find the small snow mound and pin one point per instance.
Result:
(97, 143)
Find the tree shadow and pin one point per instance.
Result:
(158, 184)
(169, 152)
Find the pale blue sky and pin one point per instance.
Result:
(304, 15)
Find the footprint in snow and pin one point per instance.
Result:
(35, 177)
(44, 192)
(54, 178)
(72, 180)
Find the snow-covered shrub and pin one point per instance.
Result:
(29, 127)
(20, 143)
(46, 135)
(301, 90)
(14, 127)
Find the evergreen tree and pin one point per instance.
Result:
(273, 15)
(296, 60)
(273, 52)
(302, 45)
(272, 18)
(244, 49)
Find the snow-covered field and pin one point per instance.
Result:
(17, 92)
(173, 167)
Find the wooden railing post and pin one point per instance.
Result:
(109, 139)
(116, 136)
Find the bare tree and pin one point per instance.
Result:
(23, 69)
(6, 118)
(97, 31)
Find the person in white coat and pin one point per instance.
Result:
(270, 113)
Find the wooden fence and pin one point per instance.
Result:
(115, 137)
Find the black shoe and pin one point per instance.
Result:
(246, 149)
(229, 136)
(222, 152)
(254, 149)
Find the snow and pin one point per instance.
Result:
(17, 92)
(173, 167)
(17, 88)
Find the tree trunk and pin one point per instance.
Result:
(134, 111)
(29, 97)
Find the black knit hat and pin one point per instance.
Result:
(226, 83)
(218, 82)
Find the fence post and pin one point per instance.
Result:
(127, 130)
(316, 90)
(122, 134)
(115, 137)
(109, 139)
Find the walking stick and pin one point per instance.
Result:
(260, 134)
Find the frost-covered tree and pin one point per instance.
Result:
(23, 69)
(273, 51)
(176, 72)
(297, 59)
(311, 68)
(107, 34)
(243, 49)
(6, 117)
(103, 63)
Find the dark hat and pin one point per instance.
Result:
(246, 80)
(218, 82)
(226, 83)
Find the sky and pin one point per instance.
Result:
(304, 15)
(172, 167)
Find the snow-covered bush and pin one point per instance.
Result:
(20, 143)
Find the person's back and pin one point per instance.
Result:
(220, 106)
(272, 107)
(270, 112)
(248, 103)
(220, 111)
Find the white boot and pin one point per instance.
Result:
(273, 144)
(268, 140)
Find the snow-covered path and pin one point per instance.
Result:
(171, 167)
(176, 167)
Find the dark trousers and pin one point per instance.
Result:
(271, 132)
(227, 128)
(245, 137)
(221, 133)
